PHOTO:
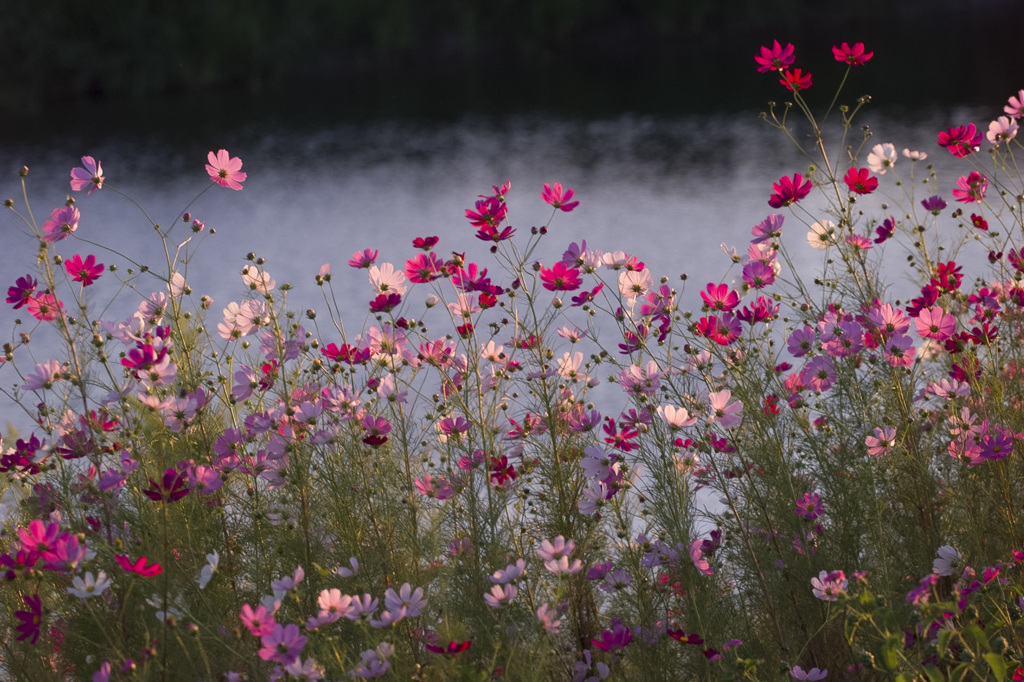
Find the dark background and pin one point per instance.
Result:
(122, 64)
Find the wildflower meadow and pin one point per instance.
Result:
(519, 469)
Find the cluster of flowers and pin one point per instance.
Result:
(483, 473)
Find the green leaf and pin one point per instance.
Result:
(888, 653)
(933, 674)
(943, 645)
(978, 635)
(998, 665)
(959, 672)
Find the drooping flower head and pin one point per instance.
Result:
(62, 222)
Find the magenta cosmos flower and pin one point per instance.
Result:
(31, 620)
(854, 56)
(86, 272)
(961, 141)
(971, 188)
(774, 58)
(560, 278)
(91, 176)
(554, 196)
(789, 190)
(225, 170)
(796, 80)
(859, 181)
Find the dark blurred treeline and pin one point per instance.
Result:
(57, 50)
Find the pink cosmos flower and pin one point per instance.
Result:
(819, 374)
(727, 415)
(560, 278)
(364, 258)
(795, 80)
(934, 204)
(386, 279)
(809, 507)
(720, 297)
(697, 557)
(828, 586)
(424, 267)
(798, 673)
(1015, 105)
(555, 197)
(935, 323)
(62, 222)
(971, 188)
(788, 191)
(501, 596)
(900, 351)
(86, 272)
(961, 141)
(722, 331)
(92, 175)
(859, 181)
(1002, 129)
(225, 170)
(854, 56)
(45, 307)
(774, 58)
(881, 441)
(768, 229)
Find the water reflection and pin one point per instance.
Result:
(670, 190)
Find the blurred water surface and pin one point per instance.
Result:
(669, 189)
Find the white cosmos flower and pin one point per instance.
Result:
(213, 560)
(89, 586)
(882, 158)
(822, 234)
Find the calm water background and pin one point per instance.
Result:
(669, 187)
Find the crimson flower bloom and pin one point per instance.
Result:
(775, 58)
(21, 292)
(384, 303)
(854, 56)
(86, 272)
(225, 170)
(859, 180)
(692, 638)
(788, 191)
(971, 188)
(560, 278)
(170, 489)
(450, 650)
(139, 566)
(555, 197)
(425, 243)
(979, 222)
(92, 175)
(962, 141)
(796, 80)
(31, 619)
